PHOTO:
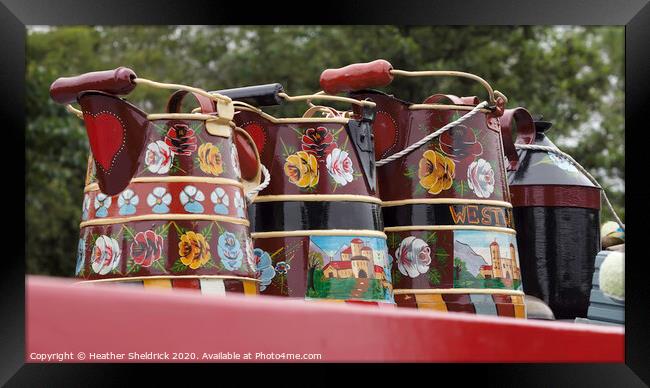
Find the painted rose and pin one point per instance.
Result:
(239, 204)
(265, 270)
(234, 159)
(85, 207)
(127, 202)
(318, 142)
(147, 247)
(81, 256)
(436, 172)
(562, 162)
(210, 161)
(339, 166)
(102, 203)
(191, 199)
(194, 251)
(181, 140)
(302, 169)
(282, 267)
(230, 252)
(221, 201)
(413, 257)
(106, 255)
(480, 178)
(159, 200)
(158, 157)
(460, 144)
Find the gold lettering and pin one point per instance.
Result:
(459, 218)
(472, 214)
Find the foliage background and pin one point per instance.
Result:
(571, 75)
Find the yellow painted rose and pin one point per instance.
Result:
(302, 169)
(436, 172)
(210, 160)
(194, 250)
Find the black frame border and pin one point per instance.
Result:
(633, 14)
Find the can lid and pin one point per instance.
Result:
(540, 124)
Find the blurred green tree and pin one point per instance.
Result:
(573, 76)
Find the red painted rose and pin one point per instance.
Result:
(180, 138)
(146, 248)
(318, 142)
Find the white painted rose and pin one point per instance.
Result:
(480, 178)
(158, 157)
(339, 166)
(106, 255)
(413, 257)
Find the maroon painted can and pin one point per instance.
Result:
(164, 202)
(446, 205)
(317, 227)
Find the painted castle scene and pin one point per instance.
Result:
(486, 260)
(347, 267)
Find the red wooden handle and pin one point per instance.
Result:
(356, 77)
(118, 82)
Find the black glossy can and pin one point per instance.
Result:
(556, 211)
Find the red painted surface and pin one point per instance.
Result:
(356, 77)
(102, 319)
(555, 195)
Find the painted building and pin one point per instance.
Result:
(504, 268)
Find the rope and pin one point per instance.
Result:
(262, 186)
(430, 136)
(593, 180)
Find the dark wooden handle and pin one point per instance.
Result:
(117, 82)
(356, 77)
(258, 95)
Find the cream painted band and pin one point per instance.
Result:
(189, 116)
(445, 107)
(450, 201)
(330, 232)
(291, 120)
(165, 217)
(172, 179)
(448, 227)
(138, 278)
(491, 291)
(318, 197)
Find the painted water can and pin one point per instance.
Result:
(557, 214)
(164, 202)
(446, 204)
(317, 227)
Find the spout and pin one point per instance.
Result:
(117, 132)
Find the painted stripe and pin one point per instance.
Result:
(213, 287)
(317, 197)
(448, 227)
(188, 284)
(165, 217)
(491, 291)
(446, 201)
(128, 279)
(333, 232)
(250, 288)
(483, 304)
(430, 302)
(520, 311)
(174, 179)
(158, 283)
